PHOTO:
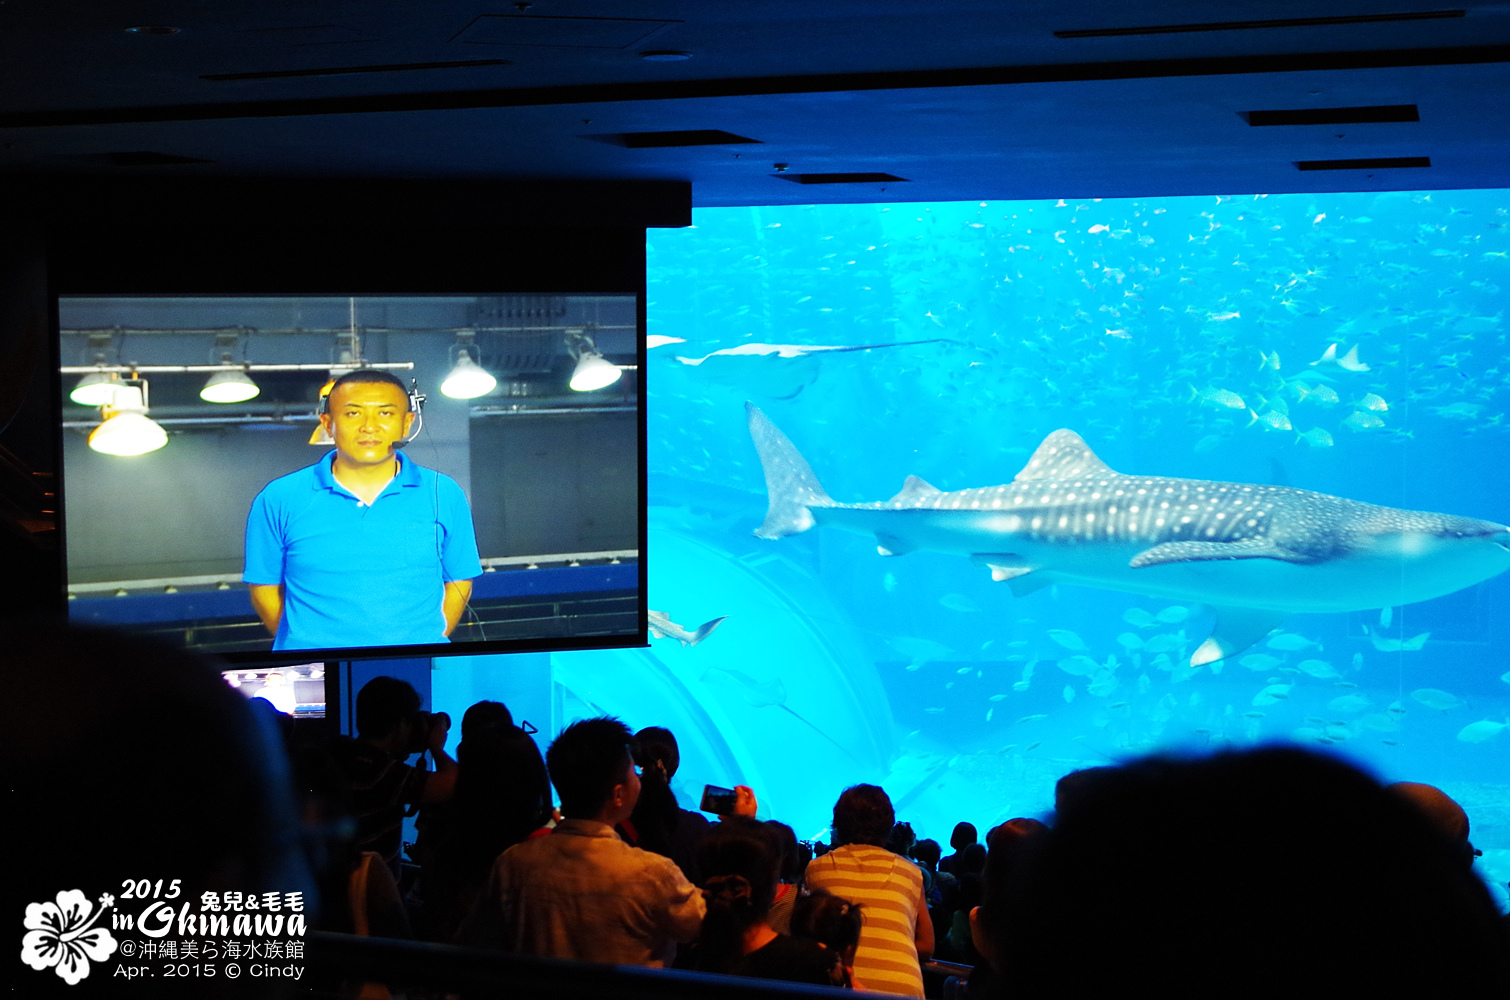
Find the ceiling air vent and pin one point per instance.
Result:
(1381, 163)
(278, 74)
(662, 140)
(842, 178)
(1334, 116)
(1286, 22)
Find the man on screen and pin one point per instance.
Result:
(365, 547)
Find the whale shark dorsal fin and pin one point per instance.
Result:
(914, 489)
(1063, 455)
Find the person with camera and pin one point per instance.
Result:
(379, 781)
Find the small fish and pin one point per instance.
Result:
(990, 712)
(1079, 666)
(662, 627)
(1344, 684)
(1119, 334)
(1272, 694)
(1173, 615)
(655, 340)
(1348, 704)
(958, 602)
(1482, 732)
(1357, 661)
(1098, 228)
(998, 697)
(1289, 642)
(1164, 642)
(1032, 746)
(1220, 398)
(1384, 644)
(1386, 616)
(1130, 641)
(1260, 661)
(1019, 685)
(1442, 701)
(1316, 437)
(1067, 639)
(889, 583)
(1371, 401)
(1268, 362)
(1360, 420)
(1032, 718)
(1103, 685)
(1321, 393)
(1069, 693)
(962, 671)
(1271, 420)
(1205, 446)
(1223, 317)
(918, 651)
(1459, 411)
(1255, 715)
(1397, 709)
(1138, 618)
(1320, 669)
(933, 711)
(1318, 218)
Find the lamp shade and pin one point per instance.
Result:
(467, 379)
(95, 389)
(594, 372)
(127, 430)
(230, 386)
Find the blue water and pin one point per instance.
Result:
(1177, 336)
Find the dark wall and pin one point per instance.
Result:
(563, 483)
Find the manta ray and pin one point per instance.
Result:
(1254, 554)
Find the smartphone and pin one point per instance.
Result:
(718, 801)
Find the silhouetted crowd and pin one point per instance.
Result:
(1259, 873)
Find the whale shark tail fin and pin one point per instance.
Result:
(789, 480)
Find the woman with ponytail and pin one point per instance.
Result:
(740, 872)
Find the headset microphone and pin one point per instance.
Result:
(417, 407)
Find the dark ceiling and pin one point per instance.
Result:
(955, 98)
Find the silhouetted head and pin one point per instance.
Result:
(484, 716)
(591, 765)
(928, 853)
(963, 835)
(657, 752)
(1445, 814)
(829, 920)
(502, 792)
(124, 758)
(901, 839)
(1264, 868)
(863, 815)
(784, 838)
(383, 704)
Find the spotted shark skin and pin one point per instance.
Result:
(1255, 554)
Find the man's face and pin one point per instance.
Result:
(366, 420)
(629, 790)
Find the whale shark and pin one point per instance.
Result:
(1255, 554)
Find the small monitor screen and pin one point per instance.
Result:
(297, 690)
(280, 479)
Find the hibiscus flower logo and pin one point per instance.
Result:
(62, 935)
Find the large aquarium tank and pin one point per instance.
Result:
(1352, 345)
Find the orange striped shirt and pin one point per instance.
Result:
(890, 891)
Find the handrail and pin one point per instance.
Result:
(423, 965)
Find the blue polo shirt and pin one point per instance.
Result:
(359, 575)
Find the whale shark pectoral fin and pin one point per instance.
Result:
(1178, 552)
(891, 545)
(1014, 570)
(915, 489)
(1064, 455)
(1236, 629)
